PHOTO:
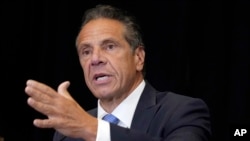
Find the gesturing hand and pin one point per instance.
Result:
(63, 112)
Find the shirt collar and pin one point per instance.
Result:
(121, 111)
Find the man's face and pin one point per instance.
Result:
(110, 67)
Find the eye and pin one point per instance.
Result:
(110, 46)
(86, 52)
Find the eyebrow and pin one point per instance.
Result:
(109, 40)
(83, 46)
(103, 42)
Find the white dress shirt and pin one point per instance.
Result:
(121, 112)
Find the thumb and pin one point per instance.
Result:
(63, 89)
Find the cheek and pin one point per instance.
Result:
(118, 63)
(84, 66)
(125, 67)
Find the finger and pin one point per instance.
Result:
(43, 123)
(63, 89)
(38, 95)
(40, 107)
(41, 87)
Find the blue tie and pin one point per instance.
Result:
(111, 118)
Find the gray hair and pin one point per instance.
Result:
(132, 35)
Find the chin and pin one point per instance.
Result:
(104, 95)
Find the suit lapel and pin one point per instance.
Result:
(145, 110)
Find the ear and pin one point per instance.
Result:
(139, 58)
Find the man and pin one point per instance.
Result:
(111, 53)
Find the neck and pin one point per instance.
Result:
(110, 104)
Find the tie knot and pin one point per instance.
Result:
(111, 118)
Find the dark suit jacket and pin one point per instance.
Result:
(162, 116)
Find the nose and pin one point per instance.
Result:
(97, 57)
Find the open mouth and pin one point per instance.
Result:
(100, 77)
